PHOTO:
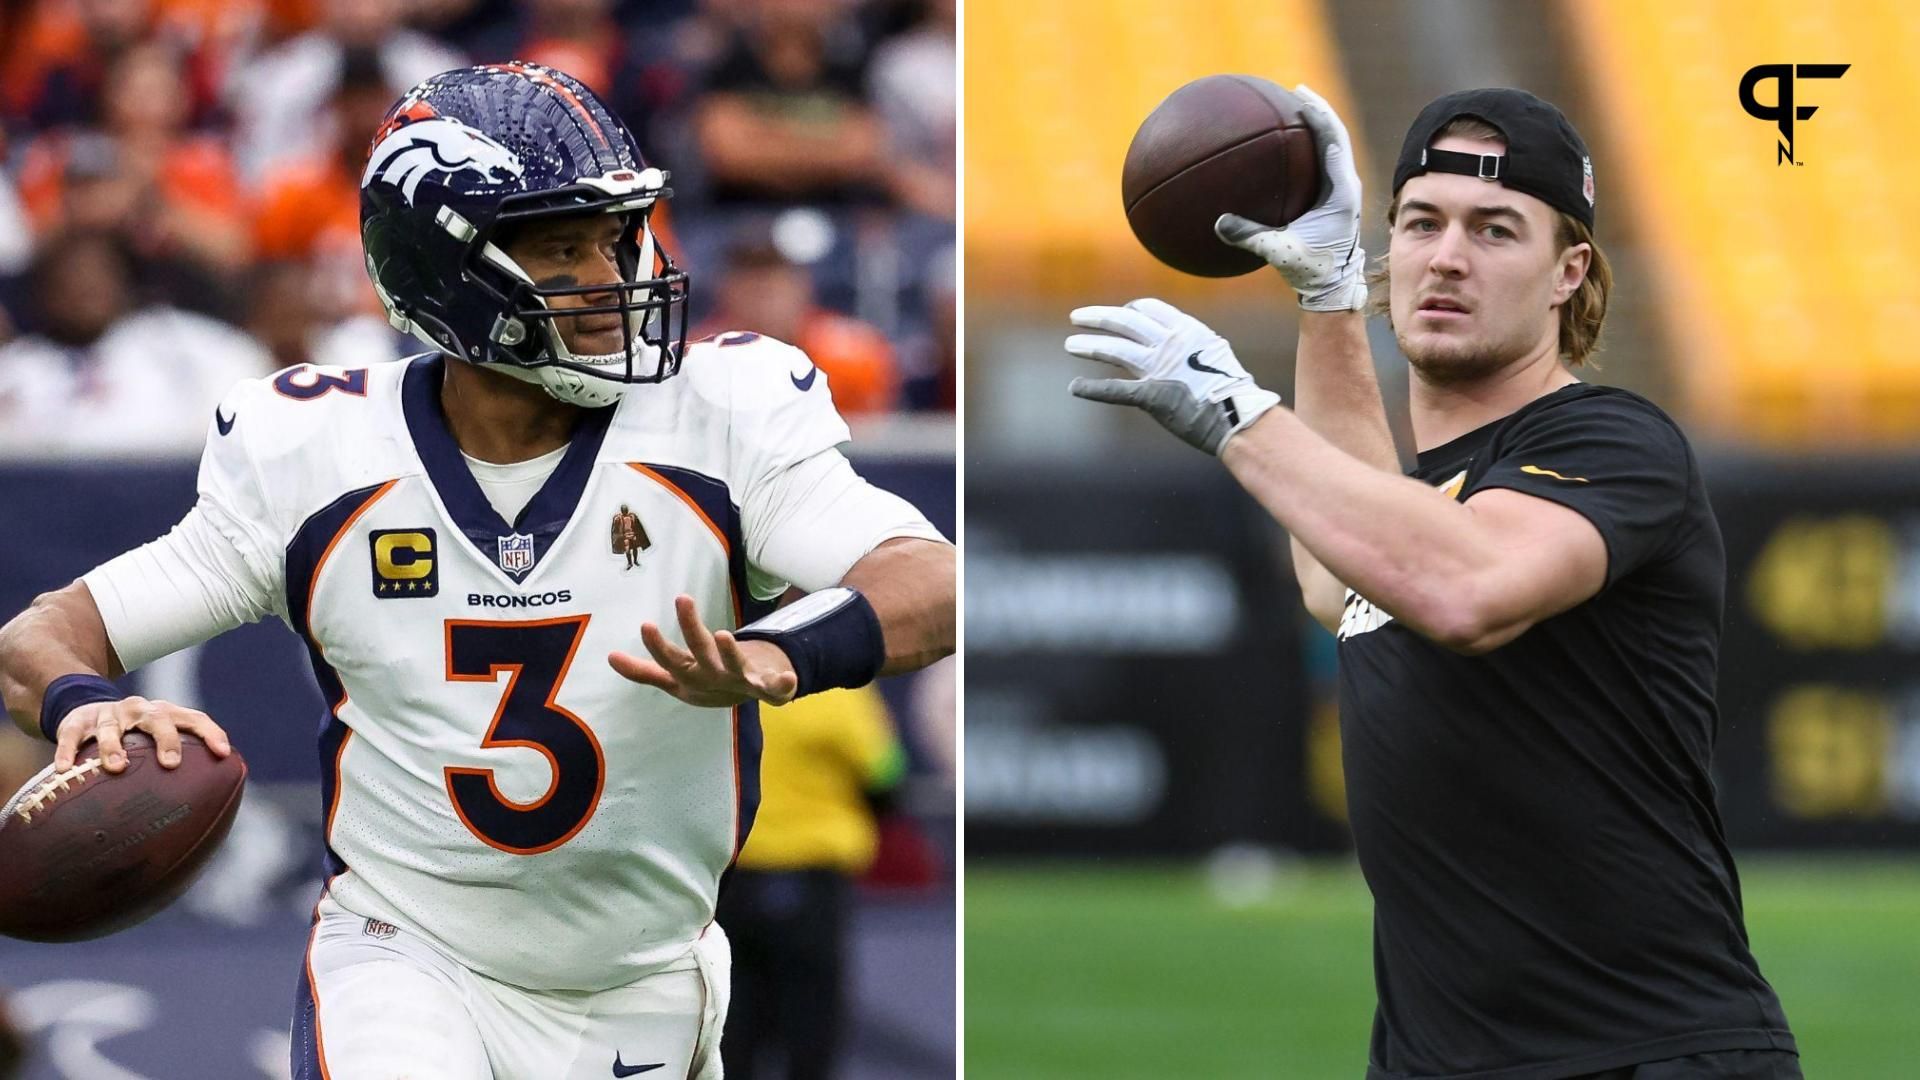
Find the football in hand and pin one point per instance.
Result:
(1225, 144)
(84, 853)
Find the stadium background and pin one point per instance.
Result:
(178, 201)
(1158, 881)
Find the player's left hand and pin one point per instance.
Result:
(1184, 374)
(714, 670)
(1319, 253)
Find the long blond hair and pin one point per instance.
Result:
(1581, 315)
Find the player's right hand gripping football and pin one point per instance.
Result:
(108, 721)
(1184, 374)
(1319, 252)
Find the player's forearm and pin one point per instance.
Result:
(60, 634)
(1337, 394)
(911, 585)
(1400, 543)
(1335, 390)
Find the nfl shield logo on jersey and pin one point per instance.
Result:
(516, 553)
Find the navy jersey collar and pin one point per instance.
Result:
(551, 507)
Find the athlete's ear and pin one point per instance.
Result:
(1571, 271)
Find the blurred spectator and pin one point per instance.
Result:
(57, 74)
(278, 98)
(667, 54)
(217, 29)
(309, 208)
(289, 19)
(290, 317)
(16, 232)
(463, 24)
(829, 764)
(171, 194)
(148, 207)
(931, 364)
(580, 37)
(102, 374)
(764, 290)
(785, 117)
(915, 86)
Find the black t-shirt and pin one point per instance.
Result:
(1553, 894)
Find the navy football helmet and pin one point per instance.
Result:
(471, 152)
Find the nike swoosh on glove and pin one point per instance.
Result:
(1318, 253)
(1183, 374)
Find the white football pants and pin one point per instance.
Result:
(379, 1003)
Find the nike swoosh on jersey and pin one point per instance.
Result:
(634, 1070)
(806, 384)
(1194, 363)
(224, 423)
(1538, 471)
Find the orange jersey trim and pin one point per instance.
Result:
(313, 984)
(726, 550)
(320, 564)
(339, 756)
(725, 547)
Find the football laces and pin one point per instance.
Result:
(38, 797)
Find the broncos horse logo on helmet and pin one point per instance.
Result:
(440, 144)
(469, 151)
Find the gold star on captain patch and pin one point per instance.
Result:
(403, 563)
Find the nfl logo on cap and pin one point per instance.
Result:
(516, 553)
(1586, 181)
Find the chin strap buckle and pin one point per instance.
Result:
(507, 331)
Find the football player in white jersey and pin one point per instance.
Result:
(537, 765)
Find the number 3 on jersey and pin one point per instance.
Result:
(302, 383)
(535, 655)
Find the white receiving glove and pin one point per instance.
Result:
(1319, 252)
(1184, 374)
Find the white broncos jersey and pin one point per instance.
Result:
(489, 780)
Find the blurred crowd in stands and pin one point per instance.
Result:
(179, 187)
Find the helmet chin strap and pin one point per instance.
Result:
(571, 386)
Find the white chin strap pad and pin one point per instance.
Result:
(577, 389)
(568, 386)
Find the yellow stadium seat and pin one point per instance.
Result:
(1789, 298)
(1054, 94)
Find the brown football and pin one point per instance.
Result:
(1223, 144)
(84, 854)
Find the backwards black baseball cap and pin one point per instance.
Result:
(1546, 158)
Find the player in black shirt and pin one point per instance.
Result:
(1529, 625)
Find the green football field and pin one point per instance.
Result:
(1118, 970)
